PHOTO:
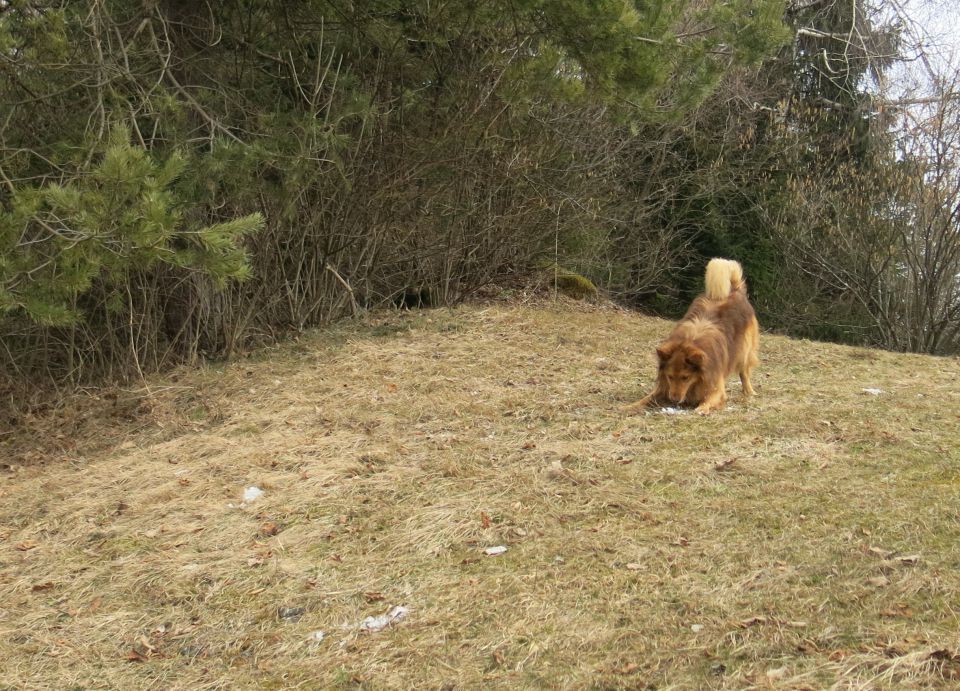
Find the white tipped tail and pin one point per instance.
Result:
(723, 276)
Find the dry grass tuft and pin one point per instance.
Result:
(807, 538)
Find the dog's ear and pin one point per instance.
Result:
(665, 350)
(695, 358)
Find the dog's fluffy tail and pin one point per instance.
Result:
(723, 277)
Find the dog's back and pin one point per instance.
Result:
(724, 304)
(718, 336)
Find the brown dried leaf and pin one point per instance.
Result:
(485, 521)
(25, 546)
(628, 668)
(897, 611)
(944, 654)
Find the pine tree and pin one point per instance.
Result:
(378, 144)
(121, 214)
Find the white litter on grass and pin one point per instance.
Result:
(673, 411)
(697, 628)
(374, 624)
(252, 494)
(873, 392)
(495, 551)
(316, 636)
(556, 469)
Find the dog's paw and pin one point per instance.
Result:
(636, 406)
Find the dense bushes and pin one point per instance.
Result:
(182, 179)
(337, 154)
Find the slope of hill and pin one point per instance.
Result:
(806, 538)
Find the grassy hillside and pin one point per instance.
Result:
(807, 538)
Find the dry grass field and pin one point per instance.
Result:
(808, 538)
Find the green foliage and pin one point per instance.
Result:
(568, 282)
(121, 213)
(375, 144)
(791, 168)
(575, 286)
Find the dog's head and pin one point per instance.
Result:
(681, 367)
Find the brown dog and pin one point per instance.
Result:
(719, 335)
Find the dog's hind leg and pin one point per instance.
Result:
(750, 359)
(745, 382)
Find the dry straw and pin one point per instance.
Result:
(807, 538)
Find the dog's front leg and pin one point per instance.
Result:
(651, 399)
(715, 400)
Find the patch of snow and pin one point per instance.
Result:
(495, 551)
(252, 494)
(873, 392)
(374, 624)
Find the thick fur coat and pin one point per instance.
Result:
(719, 335)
